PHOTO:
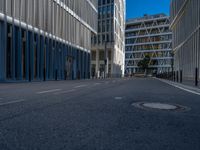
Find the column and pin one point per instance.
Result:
(2, 50)
(97, 62)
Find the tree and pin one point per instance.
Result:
(144, 63)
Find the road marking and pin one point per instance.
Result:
(12, 102)
(49, 91)
(80, 86)
(185, 89)
(97, 83)
(64, 92)
(182, 88)
(118, 98)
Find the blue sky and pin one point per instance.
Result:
(137, 8)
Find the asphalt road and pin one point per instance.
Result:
(96, 115)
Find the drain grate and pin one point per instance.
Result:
(160, 106)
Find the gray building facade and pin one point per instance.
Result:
(107, 57)
(46, 39)
(185, 24)
(148, 35)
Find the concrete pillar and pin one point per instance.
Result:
(2, 51)
(107, 64)
(31, 55)
(13, 53)
(38, 55)
(112, 62)
(88, 64)
(63, 61)
(27, 54)
(47, 58)
(75, 63)
(97, 62)
(19, 53)
(41, 58)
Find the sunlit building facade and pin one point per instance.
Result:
(46, 39)
(108, 46)
(148, 35)
(185, 25)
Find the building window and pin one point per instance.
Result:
(101, 55)
(93, 55)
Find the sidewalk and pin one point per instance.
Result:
(190, 83)
(189, 87)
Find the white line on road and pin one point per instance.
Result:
(182, 88)
(185, 89)
(49, 91)
(97, 83)
(80, 86)
(12, 102)
(64, 92)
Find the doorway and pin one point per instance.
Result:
(68, 68)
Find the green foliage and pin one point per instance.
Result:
(144, 64)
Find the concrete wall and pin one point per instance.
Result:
(185, 24)
(39, 38)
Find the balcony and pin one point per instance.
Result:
(148, 35)
(149, 43)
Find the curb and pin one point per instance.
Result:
(186, 88)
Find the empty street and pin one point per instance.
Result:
(97, 115)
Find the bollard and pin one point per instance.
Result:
(56, 75)
(29, 74)
(177, 79)
(174, 76)
(181, 76)
(196, 77)
(65, 75)
(44, 73)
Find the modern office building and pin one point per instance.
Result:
(185, 25)
(108, 46)
(46, 39)
(148, 35)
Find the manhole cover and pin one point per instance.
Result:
(160, 106)
(118, 98)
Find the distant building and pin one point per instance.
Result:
(185, 25)
(108, 46)
(46, 39)
(148, 35)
